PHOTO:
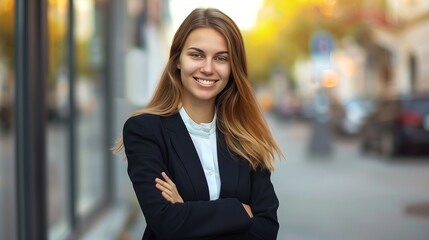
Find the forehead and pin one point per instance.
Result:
(206, 39)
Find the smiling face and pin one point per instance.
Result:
(204, 66)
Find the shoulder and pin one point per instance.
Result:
(145, 121)
(143, 118)
(151, 122)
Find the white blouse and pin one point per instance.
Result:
(204, 138)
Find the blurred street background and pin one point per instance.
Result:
(344, 85)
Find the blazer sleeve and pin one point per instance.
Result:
(264, 204)
(145, 149)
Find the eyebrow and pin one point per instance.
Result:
(200, 50)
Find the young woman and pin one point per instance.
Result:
(200, 155)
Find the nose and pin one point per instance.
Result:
(207, 67)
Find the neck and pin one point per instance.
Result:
(201, 112)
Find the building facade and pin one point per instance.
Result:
(71, 71)
(406, 41)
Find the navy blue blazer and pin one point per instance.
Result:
(154, 144)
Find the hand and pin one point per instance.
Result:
(168, 189)
(248, 209)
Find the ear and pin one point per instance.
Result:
(178, 66)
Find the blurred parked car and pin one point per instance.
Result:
(397, 126)
(286, 107)
(351, 116)
(306, 109)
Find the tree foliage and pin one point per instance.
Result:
(285, 28)
(56, 34)
(7, 33)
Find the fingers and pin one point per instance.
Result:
(167, 184)
(248, 209)
(165, 192)
(164, 175)
(167, 197)
(164, 184)
(160, 185)
(168, 189)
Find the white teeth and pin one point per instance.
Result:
(206, 82)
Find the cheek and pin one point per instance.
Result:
(187, 68)
(224, 70)
(183, 76)
(224, 83)
(227, 73)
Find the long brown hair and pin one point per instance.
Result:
(239, 117)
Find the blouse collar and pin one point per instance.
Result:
(201, 129)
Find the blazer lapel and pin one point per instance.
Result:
(229, 168)
(185, 148)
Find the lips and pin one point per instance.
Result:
(205, 82)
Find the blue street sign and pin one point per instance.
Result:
(322, 43)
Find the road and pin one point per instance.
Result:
(346, 195)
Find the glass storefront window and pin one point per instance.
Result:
(57, 121)
(7, 133)
(90, 122)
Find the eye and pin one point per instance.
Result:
(196, 55)
(221, 59)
